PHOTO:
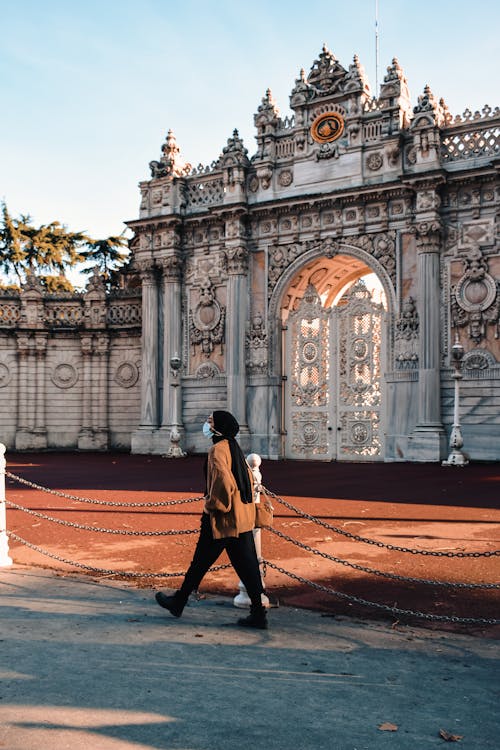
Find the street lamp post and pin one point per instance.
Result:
(175, 450)
(456, 457)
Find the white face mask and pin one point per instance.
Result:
(207, 430)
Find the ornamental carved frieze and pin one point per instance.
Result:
(257, 346)
(381, 246)
(207, 321)
(200, 268)
(475, 298)
(406, 337)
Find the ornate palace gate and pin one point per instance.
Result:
(333, 386)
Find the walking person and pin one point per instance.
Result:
(227, 522)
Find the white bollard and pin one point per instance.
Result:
(242, 600)
(5, 560)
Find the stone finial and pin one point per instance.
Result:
(268, 104)
(429, 110)
(301, 91)
(171, 163)
(235, 150)
(356, 78)
(267, 115)
(326, 72)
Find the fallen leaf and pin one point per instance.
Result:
(449, 737)
(388, 727)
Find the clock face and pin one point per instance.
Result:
(327, 127)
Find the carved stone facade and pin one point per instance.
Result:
(382, 213)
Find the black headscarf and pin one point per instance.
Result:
(228, 427)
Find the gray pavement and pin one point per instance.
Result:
(98, 665)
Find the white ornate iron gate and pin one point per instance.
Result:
(333, 387)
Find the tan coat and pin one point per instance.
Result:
(229, 516)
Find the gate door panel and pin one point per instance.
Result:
(359, 337)
(332, 390)
(307, 393)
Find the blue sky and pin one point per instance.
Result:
(89, 89)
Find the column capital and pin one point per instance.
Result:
(41, 343)
(24, 344)
(171, 267)
(147, 272)
(428, 235)
(237, 260)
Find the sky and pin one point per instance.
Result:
(90, 88)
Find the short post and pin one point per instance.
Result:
(5, 560)
(456, 457)
(242, 600)
(175, 450)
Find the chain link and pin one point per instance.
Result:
(373, 571)
(384, 607)
(392, 547)
(104, 571)
(159, 504)
(72, 524)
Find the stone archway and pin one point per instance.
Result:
(333, 313)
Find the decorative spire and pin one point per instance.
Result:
(428, 109)
(171, 163)
(267, 113)
(268, 104)
(356, 78)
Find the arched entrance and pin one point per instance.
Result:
(333, 350)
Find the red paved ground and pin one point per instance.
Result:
(417, 506)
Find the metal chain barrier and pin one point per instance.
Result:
(391, 609)
(105, 571)
(159, 504)
(384, 607)
(365, 540)
(393, 576)
(72, 524)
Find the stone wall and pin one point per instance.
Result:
(69, 368)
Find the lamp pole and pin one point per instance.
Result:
(456, 457)
(175, 450)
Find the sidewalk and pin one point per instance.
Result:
(93, 665)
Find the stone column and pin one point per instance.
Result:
(428, 441)
(24, 413)
(40, 436)
(172, 347)
(236, 324)
(142, 439)
(101, 393)
(85, 441)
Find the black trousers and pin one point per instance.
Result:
(241, 552)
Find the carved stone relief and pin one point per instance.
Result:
(257, 346)
(207, 321)
(375, 162)
(475, 299)
(207, 370)
(478, 360)
(127, 374)
(64, 375)
(5, 375)
(406, 337)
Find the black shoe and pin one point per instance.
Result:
(172, 603)
(256, 619)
